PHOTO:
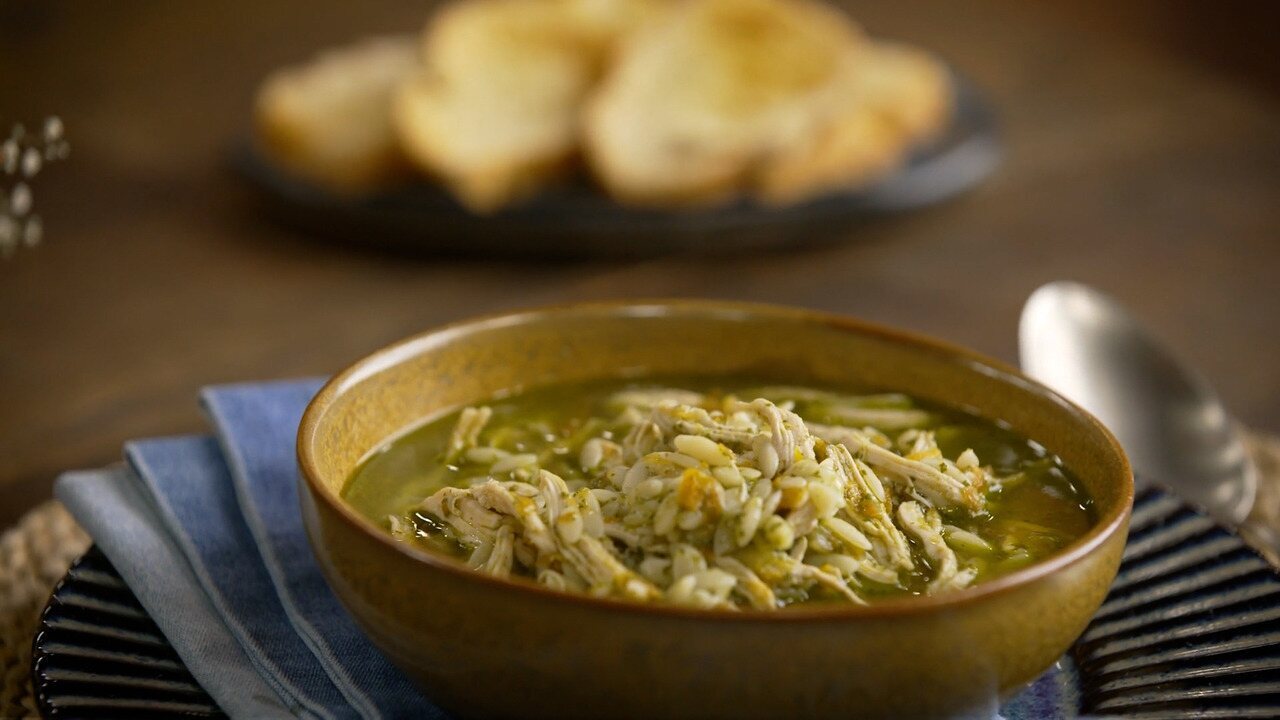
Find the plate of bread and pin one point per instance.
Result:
(615, 128)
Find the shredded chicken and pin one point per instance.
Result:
(467, 432)
(942, 488)
(927, 528)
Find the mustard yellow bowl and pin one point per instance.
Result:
(485, 647)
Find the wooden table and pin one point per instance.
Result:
(1128, 168)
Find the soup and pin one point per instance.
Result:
(726, 494)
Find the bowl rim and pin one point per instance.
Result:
(1103, 529)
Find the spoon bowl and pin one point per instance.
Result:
(1168, 419)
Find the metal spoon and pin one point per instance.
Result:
(1166, 416)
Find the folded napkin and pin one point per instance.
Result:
(207, 532)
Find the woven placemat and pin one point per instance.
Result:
(1262, 529)
(36, 553)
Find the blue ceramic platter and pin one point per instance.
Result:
(576, 220)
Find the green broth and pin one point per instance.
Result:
(1033, 505)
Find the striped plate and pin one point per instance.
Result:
(1191, 629)
(98, 655)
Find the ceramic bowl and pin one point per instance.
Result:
(487, 647)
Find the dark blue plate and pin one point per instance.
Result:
(577, 220)
(97, 654)
(1191, 629)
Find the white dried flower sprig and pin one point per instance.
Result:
(22, 156)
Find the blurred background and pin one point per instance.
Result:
(1142, 157)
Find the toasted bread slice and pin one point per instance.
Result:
(909, 87)
(604, 22)
(698, 98)
(897, 97)
(494, 112)
(329, 120)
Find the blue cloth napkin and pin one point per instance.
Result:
(214, 521)
(113, 506)
(206, 530)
